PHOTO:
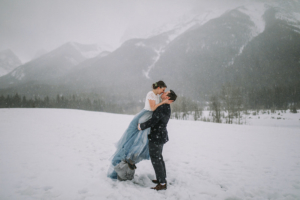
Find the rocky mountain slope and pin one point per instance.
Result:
(255, 45)
(8, 62)
(48, 67)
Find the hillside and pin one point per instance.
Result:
(254, 46)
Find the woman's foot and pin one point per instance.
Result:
(131, 164)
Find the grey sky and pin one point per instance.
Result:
(29, 25)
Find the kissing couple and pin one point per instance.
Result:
(145, 137)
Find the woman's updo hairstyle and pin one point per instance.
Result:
(160, 84)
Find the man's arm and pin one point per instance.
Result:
(157, 115)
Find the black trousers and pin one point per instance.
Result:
(155, 151)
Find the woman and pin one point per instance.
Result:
(133, 145)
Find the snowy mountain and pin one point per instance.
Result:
(270, 59)
(203, 54)
(8, 62)
(89, 50)
(200, 15)
(252, 45)
(210, 51)
(175, 27)
(39, 53)
(119, 69)
(248, 45)
(48, 67)
(288, 11)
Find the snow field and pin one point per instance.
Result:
(64, 154)
(261, 118)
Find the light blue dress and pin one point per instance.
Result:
(133, 145)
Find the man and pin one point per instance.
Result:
(158, 137)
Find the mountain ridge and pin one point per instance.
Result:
(8, 61)
(196, 62)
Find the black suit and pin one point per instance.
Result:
(158, 124)
(157, 138)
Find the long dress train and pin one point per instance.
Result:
(133, 145)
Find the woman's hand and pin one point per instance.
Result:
(139, 127)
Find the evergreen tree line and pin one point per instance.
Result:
(73, 102)
(185, 108)
(278, 98)
(235, 100)
(232, 101)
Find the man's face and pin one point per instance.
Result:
(164, 95)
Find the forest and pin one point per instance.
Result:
(228, 104)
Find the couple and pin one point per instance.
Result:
(145, 137)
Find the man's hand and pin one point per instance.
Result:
(170, 101)
(139, 127)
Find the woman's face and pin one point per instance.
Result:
(161, 90)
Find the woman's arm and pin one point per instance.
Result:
(153, 106)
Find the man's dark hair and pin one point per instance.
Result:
(172, 95)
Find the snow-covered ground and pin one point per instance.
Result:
(64, 154)
(277, 119)
(280, 118)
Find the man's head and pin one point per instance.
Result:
(169, 95)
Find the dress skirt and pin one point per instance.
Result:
(133, 145)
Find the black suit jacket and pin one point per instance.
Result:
(158, 124)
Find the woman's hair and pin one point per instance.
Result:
(160, 84)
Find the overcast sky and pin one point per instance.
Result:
(27, 26)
